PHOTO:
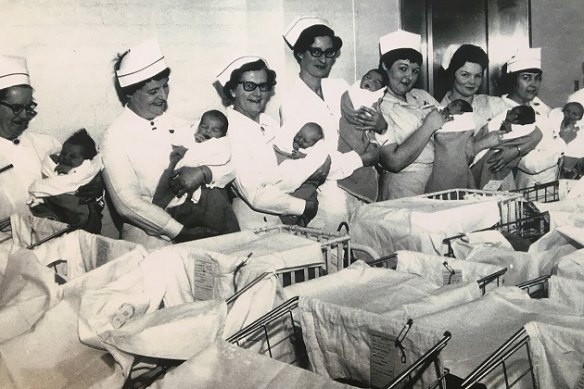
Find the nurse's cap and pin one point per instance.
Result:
(298, 25)
(142, 62)
(13, 71)
(448, 54)
(525, 59)
(225, 74)
(400, 40)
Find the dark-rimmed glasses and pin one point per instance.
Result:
(317, 53)
(17, 109)
(250, 86)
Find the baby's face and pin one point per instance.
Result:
(455, 108)
(513, 115)
(211, 127)
(306, 137)
(71, 155)
(573, 112)
(372, 81)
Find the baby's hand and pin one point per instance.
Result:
(297, 154)
(62, 169)
(200, 138)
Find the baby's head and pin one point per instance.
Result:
(374, 80)
(521, 114)
(573, 111)
(307, 136)
(79, 147)
(457, 107)
(213, 124)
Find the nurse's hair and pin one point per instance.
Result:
(307, 37)
(406, 53)
(126, 91)
(466, 53)
(4, 92)
(237, 73)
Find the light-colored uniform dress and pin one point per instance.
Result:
(300, 105)
(403, 119)
(541, 164)
(263, 185)
(26, 157)
(135, 153)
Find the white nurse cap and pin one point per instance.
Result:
(225, 74)
(142, 62)
(525, 59)
(13, 71)
(448, 54)
(400, 39)
(298, 25)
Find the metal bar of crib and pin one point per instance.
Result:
(427, 357)
(514, 343)
(53, 236)
(483, 282)
(387, 261)
(539, 284)
(248, 287)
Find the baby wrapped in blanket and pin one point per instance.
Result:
(364, 93)
(53, 196)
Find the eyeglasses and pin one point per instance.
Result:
(250, 86)
(17, 109)
(317, 53)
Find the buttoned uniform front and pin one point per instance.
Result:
(540, 165)
(403, 119)
(25, 154)
(135, 152)
(263, 184)
(300, 105)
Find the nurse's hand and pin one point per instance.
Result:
(187, 180)
(435, 120)
(371, 155)
(369, 119)
(502, 158)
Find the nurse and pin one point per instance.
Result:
(137, 146)
(314, 97)
(523, 78)
(263, 186)
(21, 151)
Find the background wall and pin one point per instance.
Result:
(558, 27)
(71, 45)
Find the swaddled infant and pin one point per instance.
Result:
(53, 196)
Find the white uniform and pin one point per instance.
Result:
(135, 152)
(301, 105)
(541, 164)
(263, 183)
(26, 157)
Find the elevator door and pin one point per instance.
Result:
(498, 26)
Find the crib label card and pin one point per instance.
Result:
(451, 276)
(204, 278)
(384, 359)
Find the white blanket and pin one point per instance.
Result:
(419, 224)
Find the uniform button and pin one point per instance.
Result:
(16, 141)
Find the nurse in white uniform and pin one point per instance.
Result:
(523, 78)
(136, 149)
(21, 152)
(263, 186)
(313, 97)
